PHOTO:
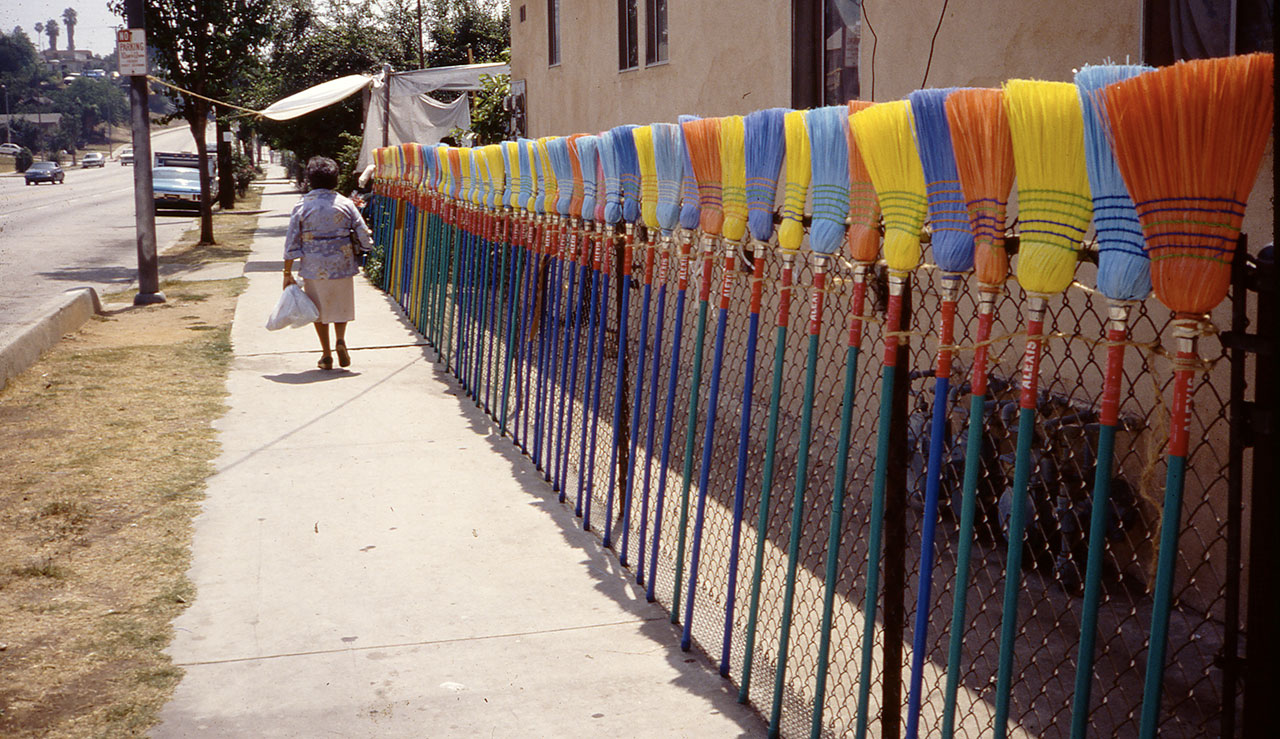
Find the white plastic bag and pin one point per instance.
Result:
(293, 309)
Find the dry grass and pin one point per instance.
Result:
(107, 445)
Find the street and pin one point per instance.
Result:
(77, 234)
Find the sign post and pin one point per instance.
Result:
(131, 48)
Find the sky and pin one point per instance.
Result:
(95, 29)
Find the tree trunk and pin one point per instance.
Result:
(198, 123)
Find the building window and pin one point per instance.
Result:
(553, 32)
(842, 32)
(628, 41)
(655, 31)
(1175, 30)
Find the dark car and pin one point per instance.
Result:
(178, 187)
(45, 172)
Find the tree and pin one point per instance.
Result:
(39, 29)
(459, 26)
(51, 30)
(69, 18)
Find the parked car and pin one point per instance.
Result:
(178, 187)
(45, 172)
(93, 159)
(10, 149)
(126, 157)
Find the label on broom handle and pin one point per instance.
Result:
(1031, 357)
(819, 292)
(726, 278)
(1180, 414)
(986, 315)
(663, 261)
(648, 263)
(784, 290)
(857, 305)
(946, 325)
(757, 278)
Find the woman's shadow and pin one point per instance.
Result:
(309, 376)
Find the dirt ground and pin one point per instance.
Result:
(107, 443)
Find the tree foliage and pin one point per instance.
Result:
(51, 30)
(69, 18)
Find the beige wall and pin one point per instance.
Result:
(723, 58)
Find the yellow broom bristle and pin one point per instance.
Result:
(1046, 125)
(551, 187)
(888, 149)
(984, 158)
(799, 172)
(1188, 140)
(733, 176)
(643, 137)
(864, 209)
(497, 173)
(482, 168)
(464, 173)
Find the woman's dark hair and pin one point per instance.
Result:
(322, 173)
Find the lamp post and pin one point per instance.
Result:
(8, 123)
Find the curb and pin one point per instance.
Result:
(64, 314)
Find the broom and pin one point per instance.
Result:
(548, 194)
(511, 154)
(562, 163)
(608, 202)
(587, 148)
(984, 160)
(493, 190)
(883, 133)
(829, 156)
(524, 202)
(1124, 276)
(564, 420)
(1047, 129)
(863, 238)
(1188, 140)
(693, 199)
(790, 236)
(453, 183)
(536, 183)
(952, 247)
(765, 147)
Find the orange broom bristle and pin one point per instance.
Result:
(984, 158)
(703, 137)
(1188, 140)
(575, 201)
(864, 209)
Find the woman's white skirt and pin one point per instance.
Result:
(336, 299)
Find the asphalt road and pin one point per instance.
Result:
(78, 234)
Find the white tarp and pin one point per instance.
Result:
(314, 98)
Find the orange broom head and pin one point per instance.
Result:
(984, 158)
(1046, 124)
(455, 171)
(1188, 140)
(799, 171)
(411, 162)
(863, 236)
(888, 149)
(579, 193)
(643, 137)
(552, 190)
(703, 137)
(733, 176)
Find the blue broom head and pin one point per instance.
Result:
(429, 160)
(1124, 269)
(506, 180)
(624, 147)
(690, 205)
(558, 153)
(612, 175)
(668, 160)
(540, 180)
(765, 147)
(829, 184)
(526, 172)
(952, 233)
(588, 151)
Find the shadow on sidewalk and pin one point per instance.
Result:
(309, 376)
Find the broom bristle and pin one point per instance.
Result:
(864, 209)
(455, 172)
(796, 191)
(510, 164)
(525, 183)
(702, 137)
(690, 205)
(765, 147)
(1124, 271)
(883, 133)
(612, 181)
(984, 159)
(476, 194)
(733, 176)
(602, 191)
(1188, 140)
(952, 238)
(550, 187)
(643, 138)
(493, 155)
(562, 170)
(575, 166)
(464, 174)
(669, 158)
(628, 171)
(588, 153)
(829, 158)
(1046, 125)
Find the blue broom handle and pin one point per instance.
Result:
(651, 424)
(619, 375)
(599, 375)
(633, 436)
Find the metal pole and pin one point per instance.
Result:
(144, 203)
(8, 122)
(386, 105)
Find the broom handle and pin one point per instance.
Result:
(619, 375)
(577, 293)
(950, 290)
(563, 422)
(1170, 524)
(744, 438)
(1117, 331)
(837, 495)
(968, 507)
(1017, 515)
(650, 423)
(591, 387)
(507, 355)
(634, 435)
(605, 264)
(893, 319)
(766, 480)
(554, 332)
(541, 311)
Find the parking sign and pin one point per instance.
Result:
(131, 51)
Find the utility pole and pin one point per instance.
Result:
(8, 121)
(386, 104)
(144, 204)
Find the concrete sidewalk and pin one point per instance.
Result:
(374, 560)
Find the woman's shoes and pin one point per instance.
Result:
(325, 363)
(344, 359)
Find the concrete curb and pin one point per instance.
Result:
(63, 314)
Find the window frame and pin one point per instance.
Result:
(628, 36)
(553, 33)
(656, 52)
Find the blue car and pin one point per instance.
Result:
(49, 172)
(178, 187)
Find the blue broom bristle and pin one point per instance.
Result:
(829, 183)
(587, 152)
(429, 158)
(558, 153)
(1124, 269)
(540, 182)
(765, 146)
(690, 205)
(612, 176)
(624, 147)
(952, 236)
(668, 160)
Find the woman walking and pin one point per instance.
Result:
(325, 231)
